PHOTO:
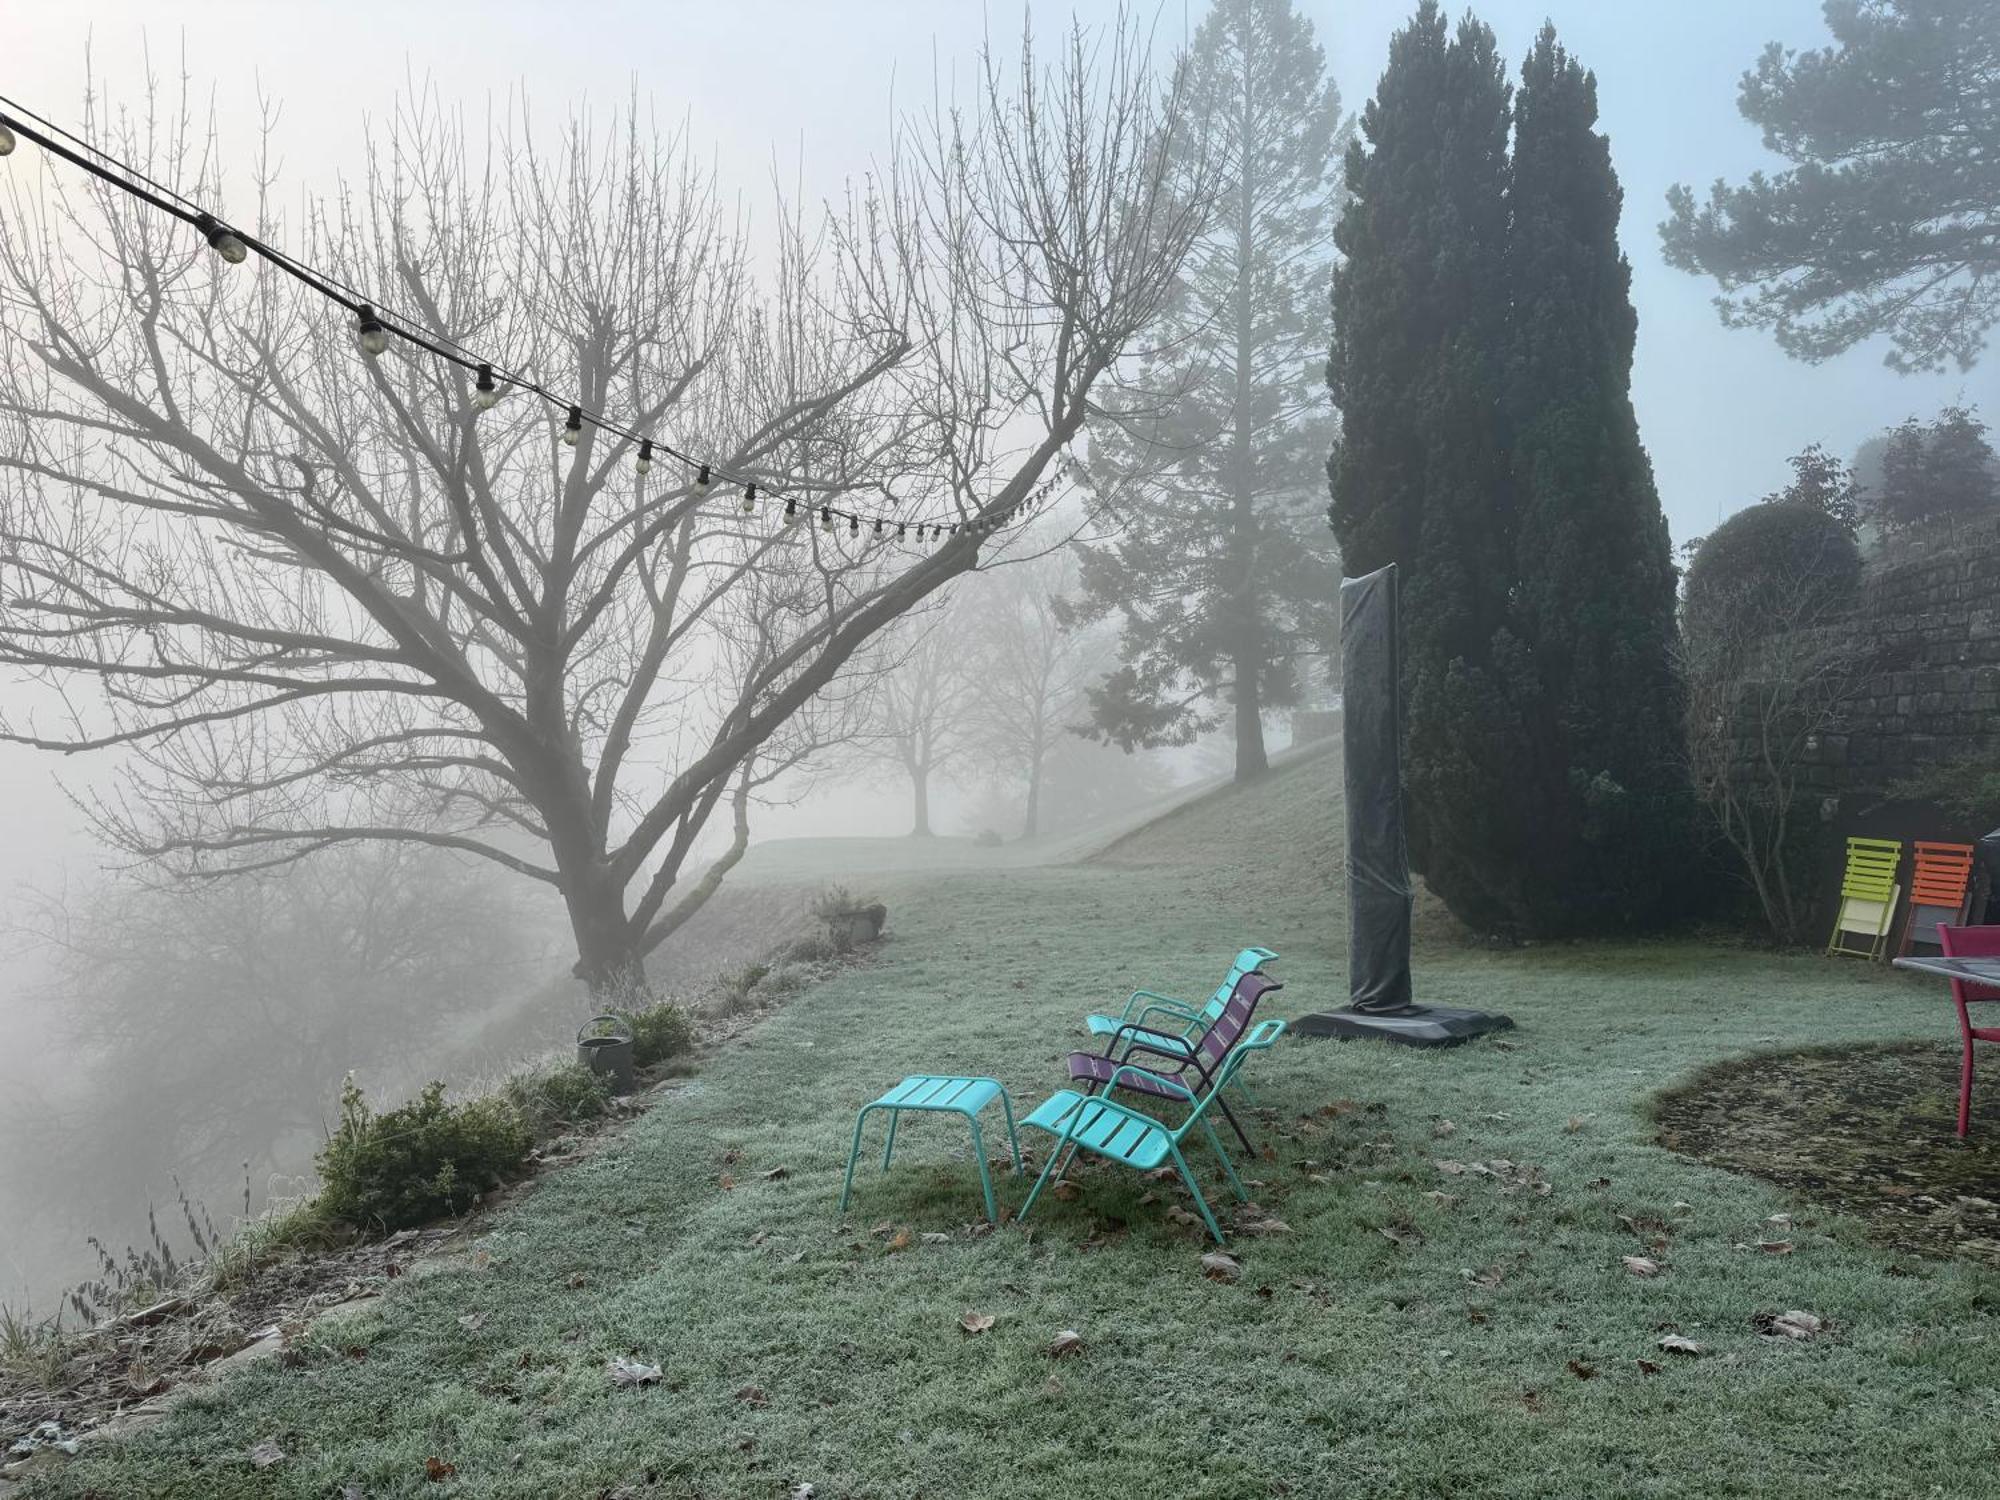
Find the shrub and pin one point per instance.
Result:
(1780, 560)
(814, 947)
(986, 838)
(550, 1099)
(417, 1163)
(658, 1033)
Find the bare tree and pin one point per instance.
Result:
(1034, 669)
(318, 600)
(1768, 680)
(919, 716)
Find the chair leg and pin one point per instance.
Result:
(1048, 1168)
(889, 1145)
(853, 1151)
(1200, 1202)
(1215, 1145)
(1013, 1140)
(985, 1172)
(1235, 1125)
(1965, 1092)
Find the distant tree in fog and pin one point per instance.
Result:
(318, 600)
(1887, 223)
(1940, 473)
(918, 715)
(1223, 576)
(1035, 673)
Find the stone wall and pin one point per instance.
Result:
(1926, 631)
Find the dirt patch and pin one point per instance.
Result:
(1868, 1129)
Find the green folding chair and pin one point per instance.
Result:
(1117, 1132)
(1175, 1027)
(1868, 896)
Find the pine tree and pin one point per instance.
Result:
(1593, 603)
(1420, 477)
(1222, 576)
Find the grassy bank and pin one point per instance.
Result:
(1417, 1332)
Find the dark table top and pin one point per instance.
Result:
(1980, 970)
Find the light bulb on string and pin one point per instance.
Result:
(878, 526)
(826, 518)
(703, 480)
(854, 526)
(485, 394)
(902, 529)
(791, 511)
(368, 328)
(6, 138)
(223, 240)
(749, 493)
(573, 428)
(645, 458)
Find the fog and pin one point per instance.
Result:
(805, 96)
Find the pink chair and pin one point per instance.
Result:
(1970, 942)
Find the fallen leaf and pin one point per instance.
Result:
(1490, 1278)
(1640, 1265)
(801, 1491)
(577, 1281)
(1217, 1266)
(1647, 1367)
(976, 1322)
(1790, 1325)
(1450, 1168)
(901, 1241)
(265, 1454)
(936, 1237)
(1775, 1247)
(777, 1174)
(1178, 1215)
(1440, 1198)
(1443, 1129)
(1263, 1226)
(1066, 1190)
(436, 1470)
(1673, 1343)
(752, 1395)
(1582, 1371)
(1780, 1221)
(1575, 1123)
(1066, 1344)
(725, 1182)
(472, 1322)
(626, 1371)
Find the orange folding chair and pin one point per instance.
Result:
(1940, 892)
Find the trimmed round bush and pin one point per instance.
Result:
(420, 1162)
(1776, 562)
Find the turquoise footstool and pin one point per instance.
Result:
(957, 1096)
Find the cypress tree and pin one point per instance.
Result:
(1420, 476)
(1593, 600)
(1482, 361)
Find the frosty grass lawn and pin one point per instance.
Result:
(1489, 1344)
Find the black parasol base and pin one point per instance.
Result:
(1412, 1026)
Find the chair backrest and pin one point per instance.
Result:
(1248, 961)
(1259, 1037)
(1943, 873)
(1871, 868)
(1235, 1019)
(1970, 942)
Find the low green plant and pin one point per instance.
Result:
(1966, 788)
(32, 1349)
(420, 1162)
(659, 1032)
(554, 1098)
(814, 947)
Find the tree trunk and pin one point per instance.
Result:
(1251, 761)
(1031, 821)
(920, 785)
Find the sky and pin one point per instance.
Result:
(809, 88)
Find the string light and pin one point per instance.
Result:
(221, 238)
(373, 333)
(374, 337)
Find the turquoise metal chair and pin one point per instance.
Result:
(1179, 1026)
(1117, 1132)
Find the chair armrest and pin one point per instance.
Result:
(1178, 1059)
(1186, 1013)
(1152, 995)
(1180, 1089)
